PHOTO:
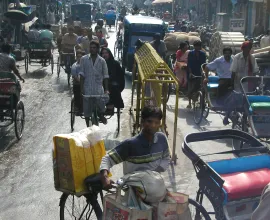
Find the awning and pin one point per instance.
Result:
(16, 15)
(161, 2)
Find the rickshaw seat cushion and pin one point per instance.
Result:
(260, 105)
(258, 98)
(247, 184)
(212, 82)
(8, 87)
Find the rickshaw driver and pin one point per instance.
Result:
(94, 80)
(148, 150)
(8, 64)
(244, 64)
(222, 67)
(69, 41)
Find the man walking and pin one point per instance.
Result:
(94, 81)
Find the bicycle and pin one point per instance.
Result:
(87, 205)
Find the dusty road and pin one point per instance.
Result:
(26, 175)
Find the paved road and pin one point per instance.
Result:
(26, 175)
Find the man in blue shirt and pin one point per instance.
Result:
(221, 66)
(196, 58)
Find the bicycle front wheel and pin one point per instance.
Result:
(78, 208)
(197, 211)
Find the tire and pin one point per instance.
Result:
(72, 114)
(199, 211)
(94, 118)
(118, 119)
(206, 110)
(52, 63)
(198, 108)
(26, 62)
(58, 67)
(239, 123)
(19, 119)
(80, 208)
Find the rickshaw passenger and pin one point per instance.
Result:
(159, 46)
(69, 41)
(116, 81)
(75, 70)
(8, 64)
(33, 34)
(221, 66)
(46, 35)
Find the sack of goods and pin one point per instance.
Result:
(75, 157)
(173, 40)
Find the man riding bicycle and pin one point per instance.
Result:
(196, 58)
(222, 67)
(7, 63)
(148, 150)
(94, 81)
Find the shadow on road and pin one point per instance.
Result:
(37, 74)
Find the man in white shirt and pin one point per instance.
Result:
(33, 34)
(244, 64)
(265, 41)
(222, 67)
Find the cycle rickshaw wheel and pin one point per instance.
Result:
(238, 124)
(115, 48)
(19, 119)
(72, 114)
(58, 66)
(197, 211)
(198, 108)
(206, 110)
(52, 63)
(118, 119)
(73, 207)
(26, 62)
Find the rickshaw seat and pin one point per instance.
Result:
(244, 176)
(212, 82)
(248, 184)
(258, 102)
(8, 83)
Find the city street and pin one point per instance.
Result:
(26, 171)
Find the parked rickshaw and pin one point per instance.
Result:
(233, 186)
(11, 107)
(40, 53)
(83, 12)
(139, 27)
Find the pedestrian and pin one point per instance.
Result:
(75, 70)
(159, 46)
(94, 81)
(177, 26)
(116, 81)
(196, 58)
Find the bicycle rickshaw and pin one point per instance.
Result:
(255, 118)
(65, 61)
(39, 52)
(206, 99)
(233, 186)
(11, 107)
(110, 20)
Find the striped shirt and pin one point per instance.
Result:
(137, 154)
